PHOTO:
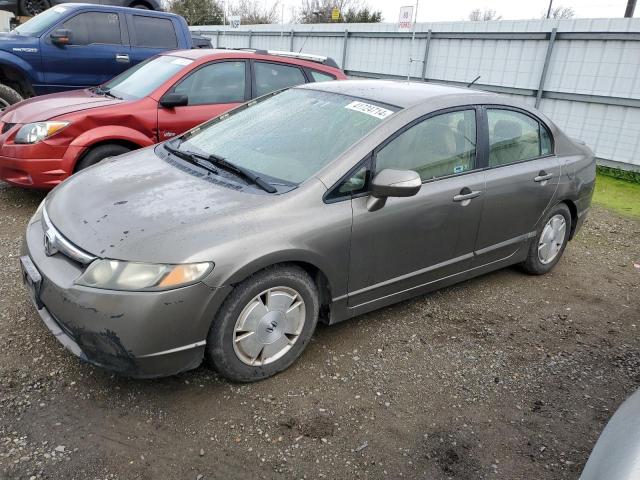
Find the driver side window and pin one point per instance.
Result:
(436, 147)
(221, 82)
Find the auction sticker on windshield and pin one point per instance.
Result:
(373, 110)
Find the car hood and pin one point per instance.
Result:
(140, 207)
(41, 108)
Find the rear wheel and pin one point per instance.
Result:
(264, 325)
(31, 8)
(8, 96)
(548, 246)
(97, 154)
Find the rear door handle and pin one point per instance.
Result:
(543, 176)
(122, 58)
(461, 197)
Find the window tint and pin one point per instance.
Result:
(438, 146)
(154, 32)
(514, 136)
(273, 76)
(94, 27)
(222, 82)
(321, 77)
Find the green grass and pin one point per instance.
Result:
(618, 195)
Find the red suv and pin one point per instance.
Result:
(45, 139)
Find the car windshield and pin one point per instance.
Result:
(291, 135)
(144, 78)
(41, 22)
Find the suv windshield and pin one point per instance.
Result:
(291, 135)
(144, 78)
(38, 24)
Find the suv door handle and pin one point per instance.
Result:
(543, 176)
(467, 195)
(122, 58)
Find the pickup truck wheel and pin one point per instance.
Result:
(97, 154)
(8, 96)
(31, 8)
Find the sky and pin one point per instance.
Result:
(452, 10)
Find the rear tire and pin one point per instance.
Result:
(97, 154)
(547, 247)
(8, 96)
(278, 309)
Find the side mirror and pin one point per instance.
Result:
(172, 100)
(392, 183)
(61, 37)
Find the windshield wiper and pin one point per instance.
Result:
(192, 158)
(241, 172)
(105, 91)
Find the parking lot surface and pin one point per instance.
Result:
(505, 376)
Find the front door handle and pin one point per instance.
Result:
(122, 58)
(543, 176)
(464, 196)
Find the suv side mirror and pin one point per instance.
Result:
(392, 183)
(61, 36)
(172, 100)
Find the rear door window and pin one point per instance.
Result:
(321, 76)
(515, 137)
(154, 32)
(274, 76)
(94, 28)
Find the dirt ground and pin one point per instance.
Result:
(506, 376)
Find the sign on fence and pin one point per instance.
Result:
(234, 21)
(405, 23)
(335, 14)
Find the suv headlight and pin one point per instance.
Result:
(36, 132)
(118, 275)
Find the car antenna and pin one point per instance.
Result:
(305, 40)
(474, 81)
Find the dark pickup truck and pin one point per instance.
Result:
(73, 46)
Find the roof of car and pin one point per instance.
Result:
(115, 8)
(206, 53)
(394, 92)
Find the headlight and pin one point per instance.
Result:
(36, 132)
(117, 275)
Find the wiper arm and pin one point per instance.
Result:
(242, 172)
(105, 91)
(191, 158)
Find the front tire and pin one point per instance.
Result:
(547, 247)
(264, 325)
(97, 154)
(8, 96)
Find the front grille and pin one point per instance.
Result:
(7, 126)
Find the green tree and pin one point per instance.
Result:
(199, 12)
(364, 15)
(351, 11)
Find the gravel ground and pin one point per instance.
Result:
(505, 376)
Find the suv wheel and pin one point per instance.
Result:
(31, 8)
(548, 246)
(102, 152)
(264, 325)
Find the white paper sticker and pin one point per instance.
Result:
(373, 110)
(181, 61)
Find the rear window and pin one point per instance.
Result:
(154, 32)
(321, 76)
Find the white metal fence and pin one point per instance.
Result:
(584, 74)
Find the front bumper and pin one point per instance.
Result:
(138, 334)
(41, 173)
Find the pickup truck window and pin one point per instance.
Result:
(154, 32)
(144, 78)
(38, 24)
(94, 27)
